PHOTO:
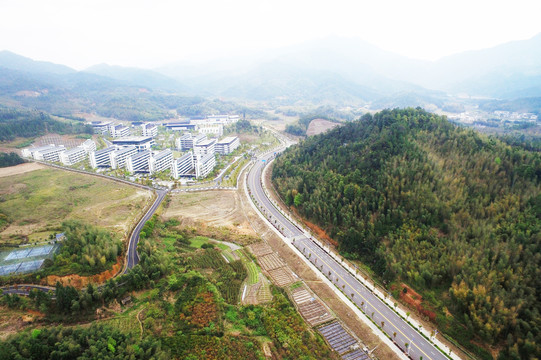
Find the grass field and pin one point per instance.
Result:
(253, 271)
(38, 202)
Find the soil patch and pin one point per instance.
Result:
(319, 126)
(80, 282)
(20, 169)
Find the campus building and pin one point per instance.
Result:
(162, 161)
(101, 127)
(141, 143)
(101, 158)
(227, 145)
(51, 154)
(119, 131)
(185, 125)
(31, 151)
(149, 129)
(118, 157)
(88, 146)
(187, 141)
(205, 147)
(183, 166)
(204, 164)
(73, 156)
(211, 129)
(139, 163)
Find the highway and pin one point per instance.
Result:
(391, 323)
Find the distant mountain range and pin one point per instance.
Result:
(333, 71)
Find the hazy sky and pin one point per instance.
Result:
(151, 33)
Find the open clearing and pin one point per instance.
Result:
(40, 200)
(19, 169)
(319, 126)
(214, 208)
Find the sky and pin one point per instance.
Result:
(81, 33)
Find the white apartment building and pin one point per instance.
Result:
(139, 163)
(162, 161)
(29, 152)
(183, 166)
(204, 164)
(73, 156)
(51, 154)
(212, 129)
(149, 129)
(187, 141)
(118, 157)
(119, 131)
(205, 147)
(101, 158)
(101, 127)
(227, 145)
(88, 146)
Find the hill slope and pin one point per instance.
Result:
(454, 214)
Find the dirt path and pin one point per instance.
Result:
(20, 169)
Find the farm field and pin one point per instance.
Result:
(40, 200)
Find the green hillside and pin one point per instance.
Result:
(453, 213)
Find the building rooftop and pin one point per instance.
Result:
(74, 150)
(106, 150)
(141, 154)
(228, 140)
(132, 139)
(207, 142)
(125, 150)
(162, 154)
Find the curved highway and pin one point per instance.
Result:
(404, 335)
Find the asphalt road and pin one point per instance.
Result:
(398, 329)
(132, 258)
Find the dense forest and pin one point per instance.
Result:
(455, 214)
(10, 159)
(22, 123)
(87, 250)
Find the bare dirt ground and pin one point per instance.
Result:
(19, 169)
(319, 126)
(215, 208)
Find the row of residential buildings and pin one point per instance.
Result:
(54, 153)
(114, 130)
(135, 155)
(210, 125)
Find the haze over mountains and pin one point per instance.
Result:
(335, 70)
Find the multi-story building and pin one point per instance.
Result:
(118, 157)
(161, 161)
(139, 163)
(181, 126)
(101, 127)
(73, 156)
(29, 152)
(101, 158)
(88, 146)
(51, 154)
(140, 142)
(187, 141)
(119, 131)
(227, 145)
(149, 129)
(213, 129)
(183, 166)
(204, 164)
(205, 147)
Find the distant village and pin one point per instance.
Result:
(199, 142)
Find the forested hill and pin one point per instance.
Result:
(453, 213)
